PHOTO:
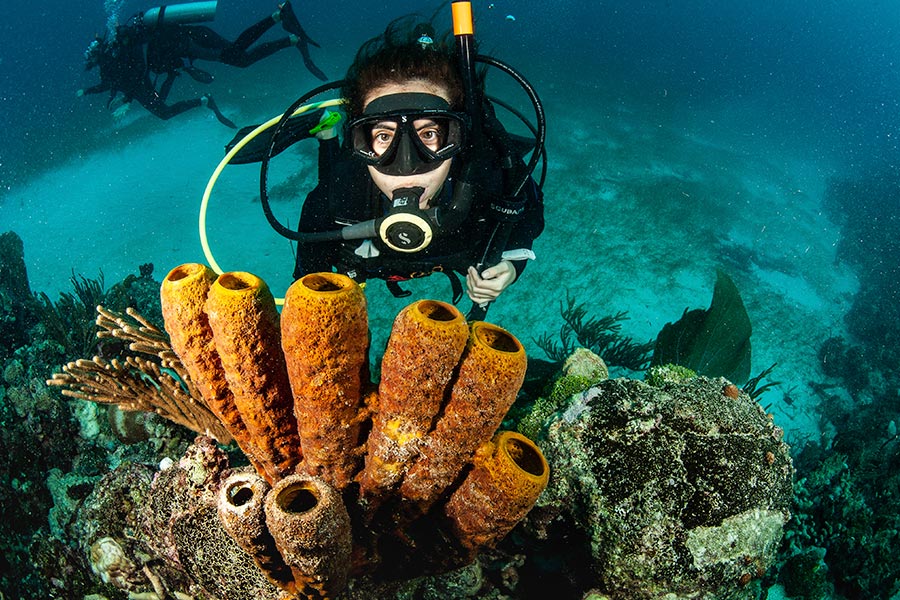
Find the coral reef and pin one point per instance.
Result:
(69, 321)
(680, 489)
(846, 528)
(845, 533)
(661, 375)
(150, 379)
(17, 310)
(125, 523)
(307, 521)
(846, 525)
(57, 449)
(580, 370)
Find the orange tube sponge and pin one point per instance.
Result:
(311, 528)
(241, 506)
(245, 328)
(426, 343)
(490, 374)
(325, 337)
(508, 475)
(183, 297)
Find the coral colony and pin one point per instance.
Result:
(349, 479)
(679, 485)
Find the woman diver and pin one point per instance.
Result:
(427, 180)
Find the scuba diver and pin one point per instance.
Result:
(427, 179)
(161, 41)
(169, 44)
(123, 70)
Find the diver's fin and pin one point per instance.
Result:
(292, 25)
(211, 104)
(297, 128)
(289, 20)
(310, 65)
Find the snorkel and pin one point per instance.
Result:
(464, 32)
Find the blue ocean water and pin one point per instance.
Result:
(683, 137)
(825, 72)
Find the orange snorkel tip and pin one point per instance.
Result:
(462, 18)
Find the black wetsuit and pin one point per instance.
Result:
(346, 194)
(169, 46)
(132, 62)
(123, 69)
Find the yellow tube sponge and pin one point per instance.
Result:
(426, 343)
(311, 528)
(508, 475)
(490, 374)
(325, 338)
(241, 507)
(183, 296)
(245, 328)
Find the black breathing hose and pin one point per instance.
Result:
(264, 172)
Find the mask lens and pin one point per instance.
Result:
(407, 143)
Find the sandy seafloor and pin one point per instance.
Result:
(645, 199)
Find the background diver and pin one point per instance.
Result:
(139, 52)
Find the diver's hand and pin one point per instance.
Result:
(79, 93)
(487, 286)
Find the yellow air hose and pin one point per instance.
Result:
(204, 203)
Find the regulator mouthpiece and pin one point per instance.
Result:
(406, 228)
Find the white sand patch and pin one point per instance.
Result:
(115, 209)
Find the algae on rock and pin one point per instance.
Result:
(681, 489)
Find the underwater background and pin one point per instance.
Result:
(758, 139)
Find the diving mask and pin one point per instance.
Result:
(408, 133)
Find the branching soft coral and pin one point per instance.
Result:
(149, 378)
(603, 336)
(70, 320)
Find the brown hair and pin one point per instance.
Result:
(396, 56)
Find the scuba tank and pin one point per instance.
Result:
(172, 14)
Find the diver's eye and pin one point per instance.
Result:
(431, 135)
(381, 139)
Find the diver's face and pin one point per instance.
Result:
(428, 132)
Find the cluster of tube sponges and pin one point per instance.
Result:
(352, 478)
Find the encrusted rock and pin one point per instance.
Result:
(682, 491)
(584, 363)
